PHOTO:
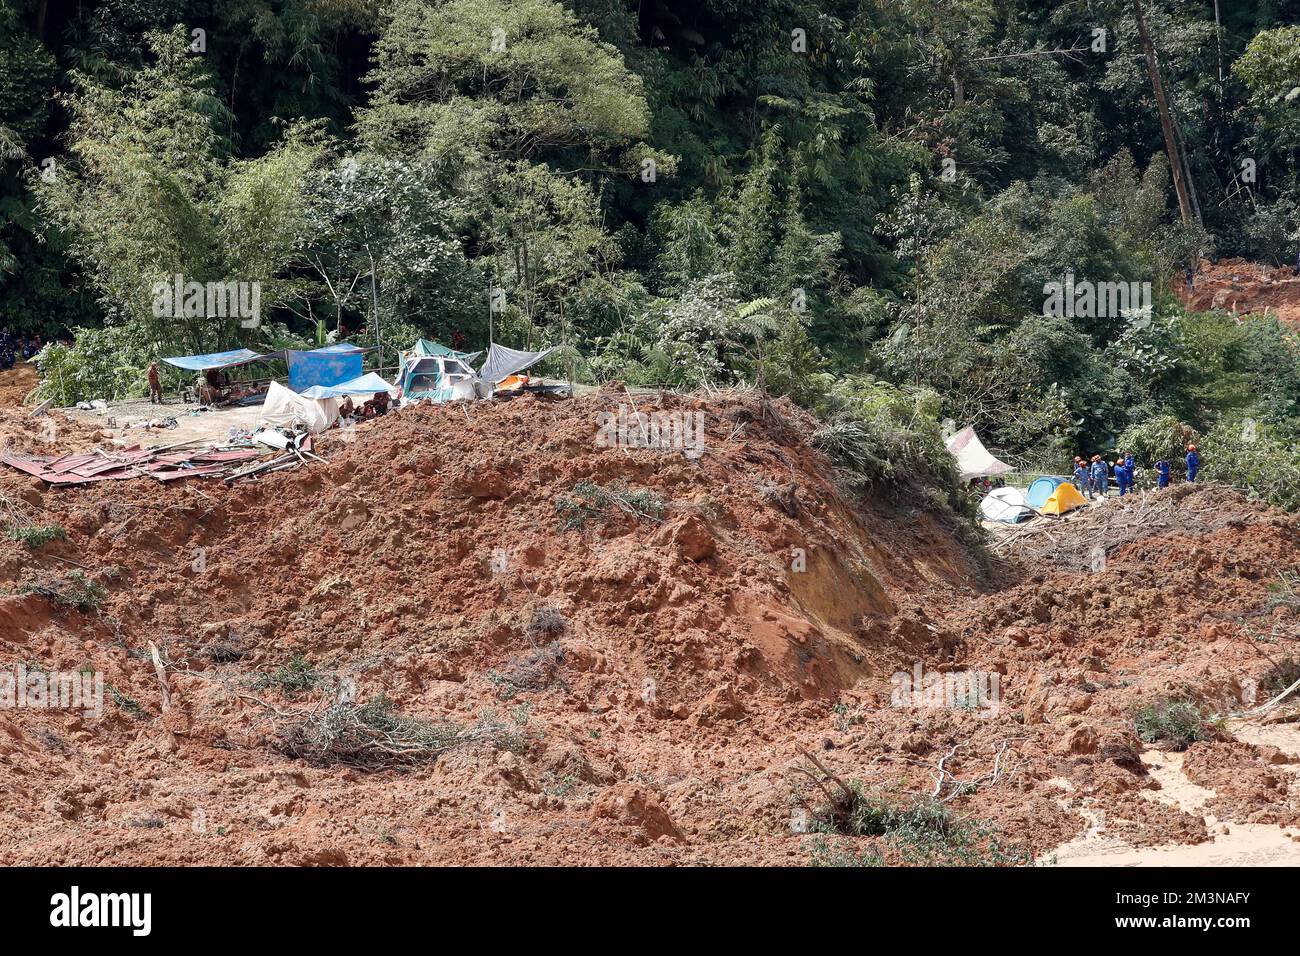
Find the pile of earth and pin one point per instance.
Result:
(625, 684)
(17, 383)
(1242, 287)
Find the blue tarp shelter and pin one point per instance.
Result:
(324, 366)
(1041, 489)
(202, 363)
(366, 384)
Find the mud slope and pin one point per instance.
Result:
(638, 690)
(1242, 287)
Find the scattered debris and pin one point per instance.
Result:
(166, 463)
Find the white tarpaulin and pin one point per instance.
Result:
(286, 409)
(503, 362)
(1005, 504)
(973, 459)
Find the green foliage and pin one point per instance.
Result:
(924, 832)
(152, 191)
(35, 536)
(1270, 69)
(75, 591)
(108, 363)
(884, 436)
(1160, 437)
(593, 503)
(683, 201)
(1176, 723)
(294, 678)
(1255, 458)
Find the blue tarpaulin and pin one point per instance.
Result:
(328, 366)
(201, 363)
(366, 384)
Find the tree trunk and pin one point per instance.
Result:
(1176, 164)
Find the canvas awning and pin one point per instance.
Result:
(973, 459)
(367, 384)
(203, 363)
(503, 362)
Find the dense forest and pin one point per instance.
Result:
(858, 204)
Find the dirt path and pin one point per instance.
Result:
(123, 421)
(1238, 844)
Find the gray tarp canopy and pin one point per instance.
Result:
(503, 362)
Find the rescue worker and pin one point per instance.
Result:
(1081, 479)
(1162, 473)
(1100, 479)
(1121, 476)
(155, 385)
(1193, 462)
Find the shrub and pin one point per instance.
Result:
(35, 536)
(1279, 677)
(1256, 459)
(374, 736)
(1176, 723)
(546, 622)
(883, 435)
(293, 678)
(536, 671)
(108, 363)
(924, 832)
(76, 590)
(596, 503)
(1160, 437)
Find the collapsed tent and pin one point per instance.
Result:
(427, 347)
(1005, 504)
(973, 459)
(437, 378)
(1040, 489)
(1065, 498)
(503, 362)
(216, 360)
(285, 409)
(324, 366)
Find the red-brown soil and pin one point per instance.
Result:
(17, 383)
(1246, 288)
(661, 681)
